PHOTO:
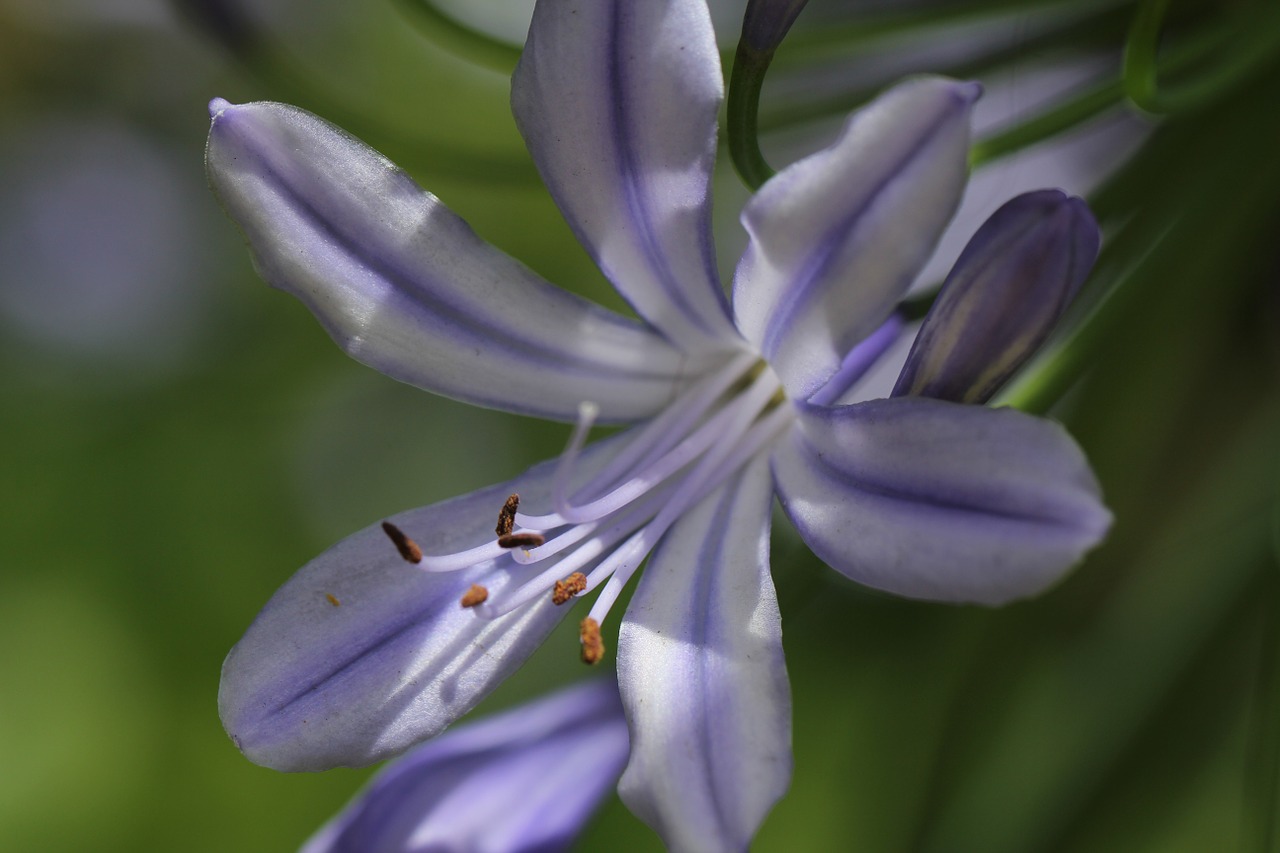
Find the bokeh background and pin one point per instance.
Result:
(178, 438)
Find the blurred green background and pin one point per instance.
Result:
(179, 438)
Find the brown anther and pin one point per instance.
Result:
(521, 540)
(333, 599)
(408, 549)
(507, 516)
(568, 588)
(592, 645)
(475, 596)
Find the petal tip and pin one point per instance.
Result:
(967, 92)
(217, 106)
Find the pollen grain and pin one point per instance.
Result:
(568, 588)
(507, 516)
(408, 549)
(475, 596)
(592, 645)
(521, 540)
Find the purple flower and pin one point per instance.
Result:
(522, 781)
(362, 655)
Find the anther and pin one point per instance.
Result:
(333, 599)
(568, 588)
(475, 596)
(592, 645)
(507, 516)
(408, 549)
(521, 540)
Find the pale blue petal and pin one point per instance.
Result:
(522, 781)
(938, 500)
(314, 684)
(702, 675)
(405, 286)
(1003, 297)
(617, 101)
(837, 238)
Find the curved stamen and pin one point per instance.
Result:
(587, 412)
(660, 434)
(587, 553)
(713, 430)
(459, 560)
(623, 563)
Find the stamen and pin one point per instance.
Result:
(408, 549)
(521, 540)
(333, 599)
(507, 516)
(661, 433)
(587, 412)
(568, 588)
(592, 645)
(588, 551)
(718, 432)
(475, 596)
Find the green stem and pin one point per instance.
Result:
(743, 114)
(1061, 117)
(458, 39)
(1257, 43)
(808, 45)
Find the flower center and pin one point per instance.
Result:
(597, 535)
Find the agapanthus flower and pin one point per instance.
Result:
(522, 781)
(927, 493)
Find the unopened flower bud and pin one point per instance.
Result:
(1002, 298)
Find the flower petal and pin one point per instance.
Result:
(617, 101)
(405, 286)
(524, 780)
(837, 238)
(938, 500)
(702, 675)
(1003, 297)
(360, 654)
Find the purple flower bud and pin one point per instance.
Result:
(1002, 298)
(524, 780)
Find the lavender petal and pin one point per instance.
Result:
(521, 781)
(937, 500)
(837, 238)
(703, 678)
(405, 286)
(617, 101)
(362, 654)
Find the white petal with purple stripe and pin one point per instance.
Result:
(703, 678)
(617, 101)
(405, 286)
(938, 500)
(837, 238)
(361, 654)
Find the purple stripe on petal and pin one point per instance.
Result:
(837, 238)
(521, 781)
(1003, 297)
(407, 287)
(938, 500)
(617, 102)
(703, 678)
(361, 654)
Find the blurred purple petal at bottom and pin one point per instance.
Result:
(521, 781)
